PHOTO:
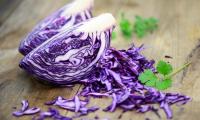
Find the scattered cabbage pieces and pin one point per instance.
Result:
(25, 110)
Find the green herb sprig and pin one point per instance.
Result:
(164, 79)
(126, 27)
(141, 27)
(114, 35)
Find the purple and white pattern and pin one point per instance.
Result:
(62, 19)
(52, 113)
(116, 76)
(25, 110)
(75, 105)
(72, 54)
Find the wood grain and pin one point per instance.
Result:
(6, 8)
(178, 36)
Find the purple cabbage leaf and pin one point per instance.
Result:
(51, 113)
(60, 20)
(25, 110)
(76, 105)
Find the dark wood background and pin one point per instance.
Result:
(178, 36)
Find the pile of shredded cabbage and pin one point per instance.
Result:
(115, 76)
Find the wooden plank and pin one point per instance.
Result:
(178, 36)
(6, 8)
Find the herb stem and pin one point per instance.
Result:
(177, 70)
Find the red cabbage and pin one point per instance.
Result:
(116, 76)
(63, 55)
(113, 77)
(25, 110)
(62, 19)
(72, 54)
(75, 104)
(53, 114)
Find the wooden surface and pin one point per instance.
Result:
(178, 36)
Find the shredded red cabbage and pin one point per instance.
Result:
(75, 104)
(25, 110)
(51, 113)
(116, 76)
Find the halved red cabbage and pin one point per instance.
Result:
(25, 110)
(69, 15)
(72, 54)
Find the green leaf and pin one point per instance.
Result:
(151, 83)
(139, 27)
(164, 84)
(126, 27)
(151, 23)
(143, 26)
(114, 35)
(146, 76)
(164, 67)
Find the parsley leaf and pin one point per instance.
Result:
(164, 67)
(146, 76)
(150, 79)
(166, 72)
(114, 35)
(126, 27)
(152, 24)
(142, 26)
(164, 84)
(151, 83)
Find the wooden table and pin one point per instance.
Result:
(178, 36)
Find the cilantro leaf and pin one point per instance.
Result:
(151, 23)
(114, 35)
(151, 83)
(142, 26)
(126, 27)
(150, 79)
(164, 68)
(164, 84)
(146, 76)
